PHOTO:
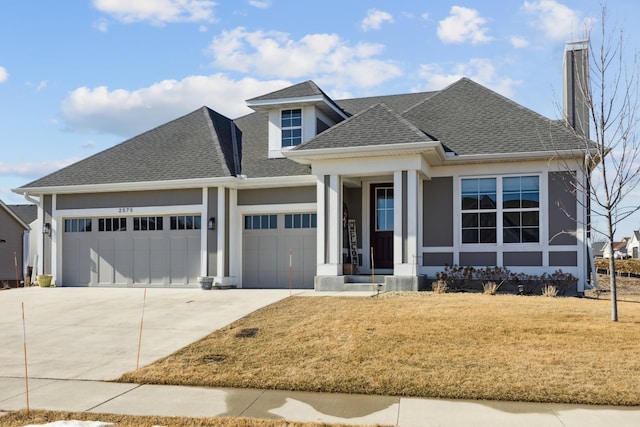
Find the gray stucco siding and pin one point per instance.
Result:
(522, 259)
(563, 259)
(563, 208)
(270, 196)
(437, 212)
(437, 259)
(190, 196)
(478, 259)
(11, 231)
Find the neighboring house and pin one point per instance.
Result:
(14, 241)
(619, 250)
(457, 176)
(597, 249)
(633, 245)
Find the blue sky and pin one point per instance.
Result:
(77, 77)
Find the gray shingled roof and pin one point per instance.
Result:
(27, 213)
(466, 117)
(255, 150)
(397, 103)
(300, 90)
(378, 125)
(197, 145)
(470, 119)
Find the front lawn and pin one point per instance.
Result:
(458, 346)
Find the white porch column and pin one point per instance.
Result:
(204, 248)
(235, 234)
(405, 223)
(329, 225)
(221, 232)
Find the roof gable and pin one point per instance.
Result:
(471, 119)
(300, 90)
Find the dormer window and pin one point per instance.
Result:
(291, 125)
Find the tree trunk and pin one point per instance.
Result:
(612, 273)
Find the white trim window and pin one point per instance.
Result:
(521, 209)
(479, 210)
(291, 126)
(500, 210)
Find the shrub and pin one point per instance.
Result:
(549, 291)
(490, 288)
(439, 287)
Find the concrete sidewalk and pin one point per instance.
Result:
(78, 337)
(134, 399)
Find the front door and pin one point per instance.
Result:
(382, 225)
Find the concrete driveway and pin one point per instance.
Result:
(93, 333)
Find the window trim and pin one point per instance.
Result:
(284, 128)
(500, 210)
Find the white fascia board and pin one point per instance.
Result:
(129, 186)
(370, 166)
(492, 158)
(264, 104)
(307, 156)
(282, 101)
(229, 182)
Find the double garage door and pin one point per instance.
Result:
(131, 251)
(279, 250)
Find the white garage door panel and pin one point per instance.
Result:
(131, 258)
(265, 257)
(77, 255)
(123, 266)
(106, 262)
(158, 262)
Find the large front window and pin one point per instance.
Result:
(479, 210)
(513, 200)
(520, 209)
(291, 125)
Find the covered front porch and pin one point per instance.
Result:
(369, 227)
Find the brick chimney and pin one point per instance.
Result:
(576, 86)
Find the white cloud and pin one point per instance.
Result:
(463, 24)
(555, 20)
(32, 169)
(374, 19)
(323, 57)
(101, 25)
(519, 42)
(480, 70)
(260, 4)
(127, 113)
(4, 75)
(158, 12)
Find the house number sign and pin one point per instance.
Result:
(125, 210)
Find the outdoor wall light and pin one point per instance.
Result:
(46, 229)
(211, 224)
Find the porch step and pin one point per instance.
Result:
(364, 279)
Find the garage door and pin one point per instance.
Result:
(131, 251)
(267, 241)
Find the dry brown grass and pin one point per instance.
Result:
(19, 418)
(461, 346)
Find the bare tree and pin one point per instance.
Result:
(611, 98)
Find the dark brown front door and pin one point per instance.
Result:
(382, 225)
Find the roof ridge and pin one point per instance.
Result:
(214, 134)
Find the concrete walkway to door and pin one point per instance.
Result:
(93, 333)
